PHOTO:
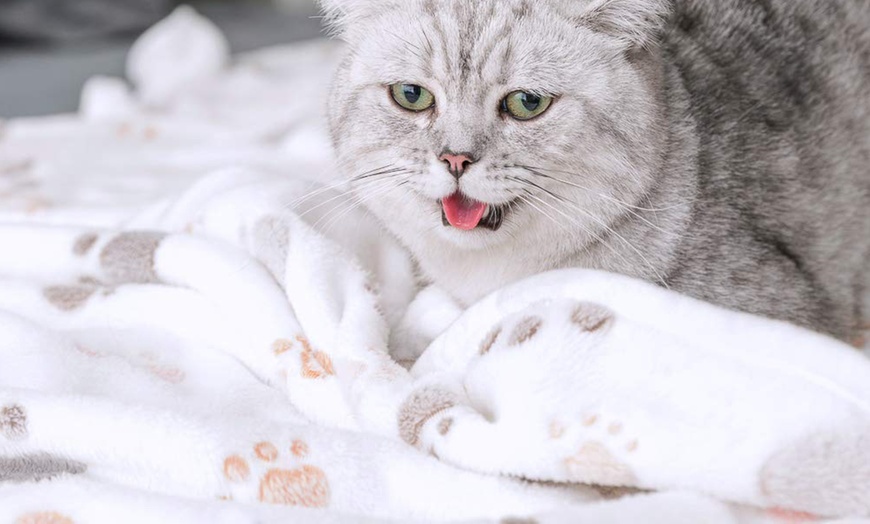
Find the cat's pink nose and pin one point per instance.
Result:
(457, 163)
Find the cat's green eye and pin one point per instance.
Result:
(525, 106)
(412, 97)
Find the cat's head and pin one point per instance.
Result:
(477, 122)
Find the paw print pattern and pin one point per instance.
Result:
(594, 462)
(44, 517)
(592, 318)
(525, 331)
(590, 449)
(587, 317)
(167, 373)
(84, 243)
(489, 340)
(305, 486)
(13, 422)
(791, 517)
(419, 408)
(315, 364)
(144, 360)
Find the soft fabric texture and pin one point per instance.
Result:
(186, 342)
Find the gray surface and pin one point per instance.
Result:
(43, 80)
(65, 19)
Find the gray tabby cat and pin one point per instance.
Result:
(720, 148)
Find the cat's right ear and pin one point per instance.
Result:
(634, 23)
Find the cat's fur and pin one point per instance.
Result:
(718, 147)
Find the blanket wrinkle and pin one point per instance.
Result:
(199, 325)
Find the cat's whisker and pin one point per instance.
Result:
(626, 207)
(529, 203)
(336, 210)
(364, 185)
(383, 186)
(308, 196)
(528, 195)
(375, 170)
(611, 231)
(319, 191)
(506, 227)
(607, 228)
(381, 148)
(631, 209)
(539, 172)
(570, 219)
(588, 231)
(399, 170)
(385, 178)
(292, 206)
(358, 204)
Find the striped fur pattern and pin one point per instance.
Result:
(720, 149)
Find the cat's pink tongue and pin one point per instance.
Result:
(462, 212)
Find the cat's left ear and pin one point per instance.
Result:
(636, 23)
(336, 13)
(341, 16)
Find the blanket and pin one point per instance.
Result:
(199, 323)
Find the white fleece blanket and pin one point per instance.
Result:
(183, 341)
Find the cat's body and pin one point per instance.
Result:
(781, 101)
(719, 148)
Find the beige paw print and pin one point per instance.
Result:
(305, 486)
(597, 461)
(44, 517)
(315, 364)
(791, 517)
(167, 373)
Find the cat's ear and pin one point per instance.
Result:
(335, 14)
(340, 15)
(636, 23)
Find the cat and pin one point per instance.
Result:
(718, 148)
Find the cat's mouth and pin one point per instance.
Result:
(467, 214)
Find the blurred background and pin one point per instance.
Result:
(49, 48)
